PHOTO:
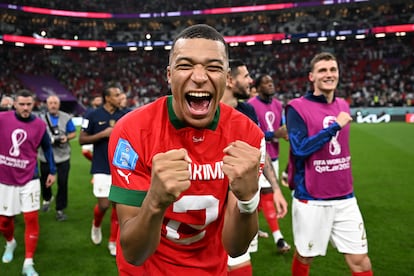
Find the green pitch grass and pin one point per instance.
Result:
(383, 168)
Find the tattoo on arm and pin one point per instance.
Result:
(269, 173)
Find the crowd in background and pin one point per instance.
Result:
(154, 6)
(291, 21)
(374, 72)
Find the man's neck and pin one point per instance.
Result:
(329, 95)
(109, 107)
(229, 99)
(265, 98)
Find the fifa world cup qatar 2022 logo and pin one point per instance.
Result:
(18, 136)
(334, 146)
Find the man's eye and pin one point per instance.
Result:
(184, 66)
(214, 68)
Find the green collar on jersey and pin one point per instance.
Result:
(177, 123)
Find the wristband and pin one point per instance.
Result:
(249, 206)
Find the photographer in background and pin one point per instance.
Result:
(6, 103)
(61, 129)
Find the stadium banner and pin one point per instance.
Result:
(382, 118)
(375, 115)
(372, 118)
(44, 86)
(392, 110)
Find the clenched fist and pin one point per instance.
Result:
(241, 165)
(343, 119)
(170, 177)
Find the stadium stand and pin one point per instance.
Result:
(375, 71)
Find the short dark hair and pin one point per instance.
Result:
(200, 31)
(259, 79)
(109, 85)
(234, 65)
(24, 93)
(321, 56)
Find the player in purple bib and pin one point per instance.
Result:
(324, 207)
(22, 135)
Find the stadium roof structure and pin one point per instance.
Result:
(235, 40)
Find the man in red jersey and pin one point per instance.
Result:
(185, 169)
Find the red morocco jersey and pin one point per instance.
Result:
(191, 231)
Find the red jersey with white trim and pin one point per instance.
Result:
(191, 231)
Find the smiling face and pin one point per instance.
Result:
(197, 74)
(325, 76)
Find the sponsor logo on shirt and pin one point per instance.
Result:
(125, 176)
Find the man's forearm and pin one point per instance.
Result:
(269, 173)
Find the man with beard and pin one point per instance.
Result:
(23, 133)
(237, 89)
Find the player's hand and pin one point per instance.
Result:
(281, 132)
(280, 203)
(106, 132)
(241, 165)
(169, 178)
(343, 119)
(63, 139)
(50, 180)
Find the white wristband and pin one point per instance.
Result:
(249, 206)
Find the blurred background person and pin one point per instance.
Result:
(61, 130)
(269, 112)
(96, 129)
(6, 103)
(124, 102)
(23, 133)
(95, 102)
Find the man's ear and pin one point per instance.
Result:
(168, 74)
(229, 80)
(310, 76)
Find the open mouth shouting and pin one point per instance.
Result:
(198, 103)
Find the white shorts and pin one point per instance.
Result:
(87, 147)
(101, 184)
(17, 199)
(316, 223)
(263, 183)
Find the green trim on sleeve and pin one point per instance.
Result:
(127, 197)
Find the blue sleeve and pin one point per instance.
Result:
(70, 127)
(301, 144)
(254, 117)
(269, 135)
(48, 152)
